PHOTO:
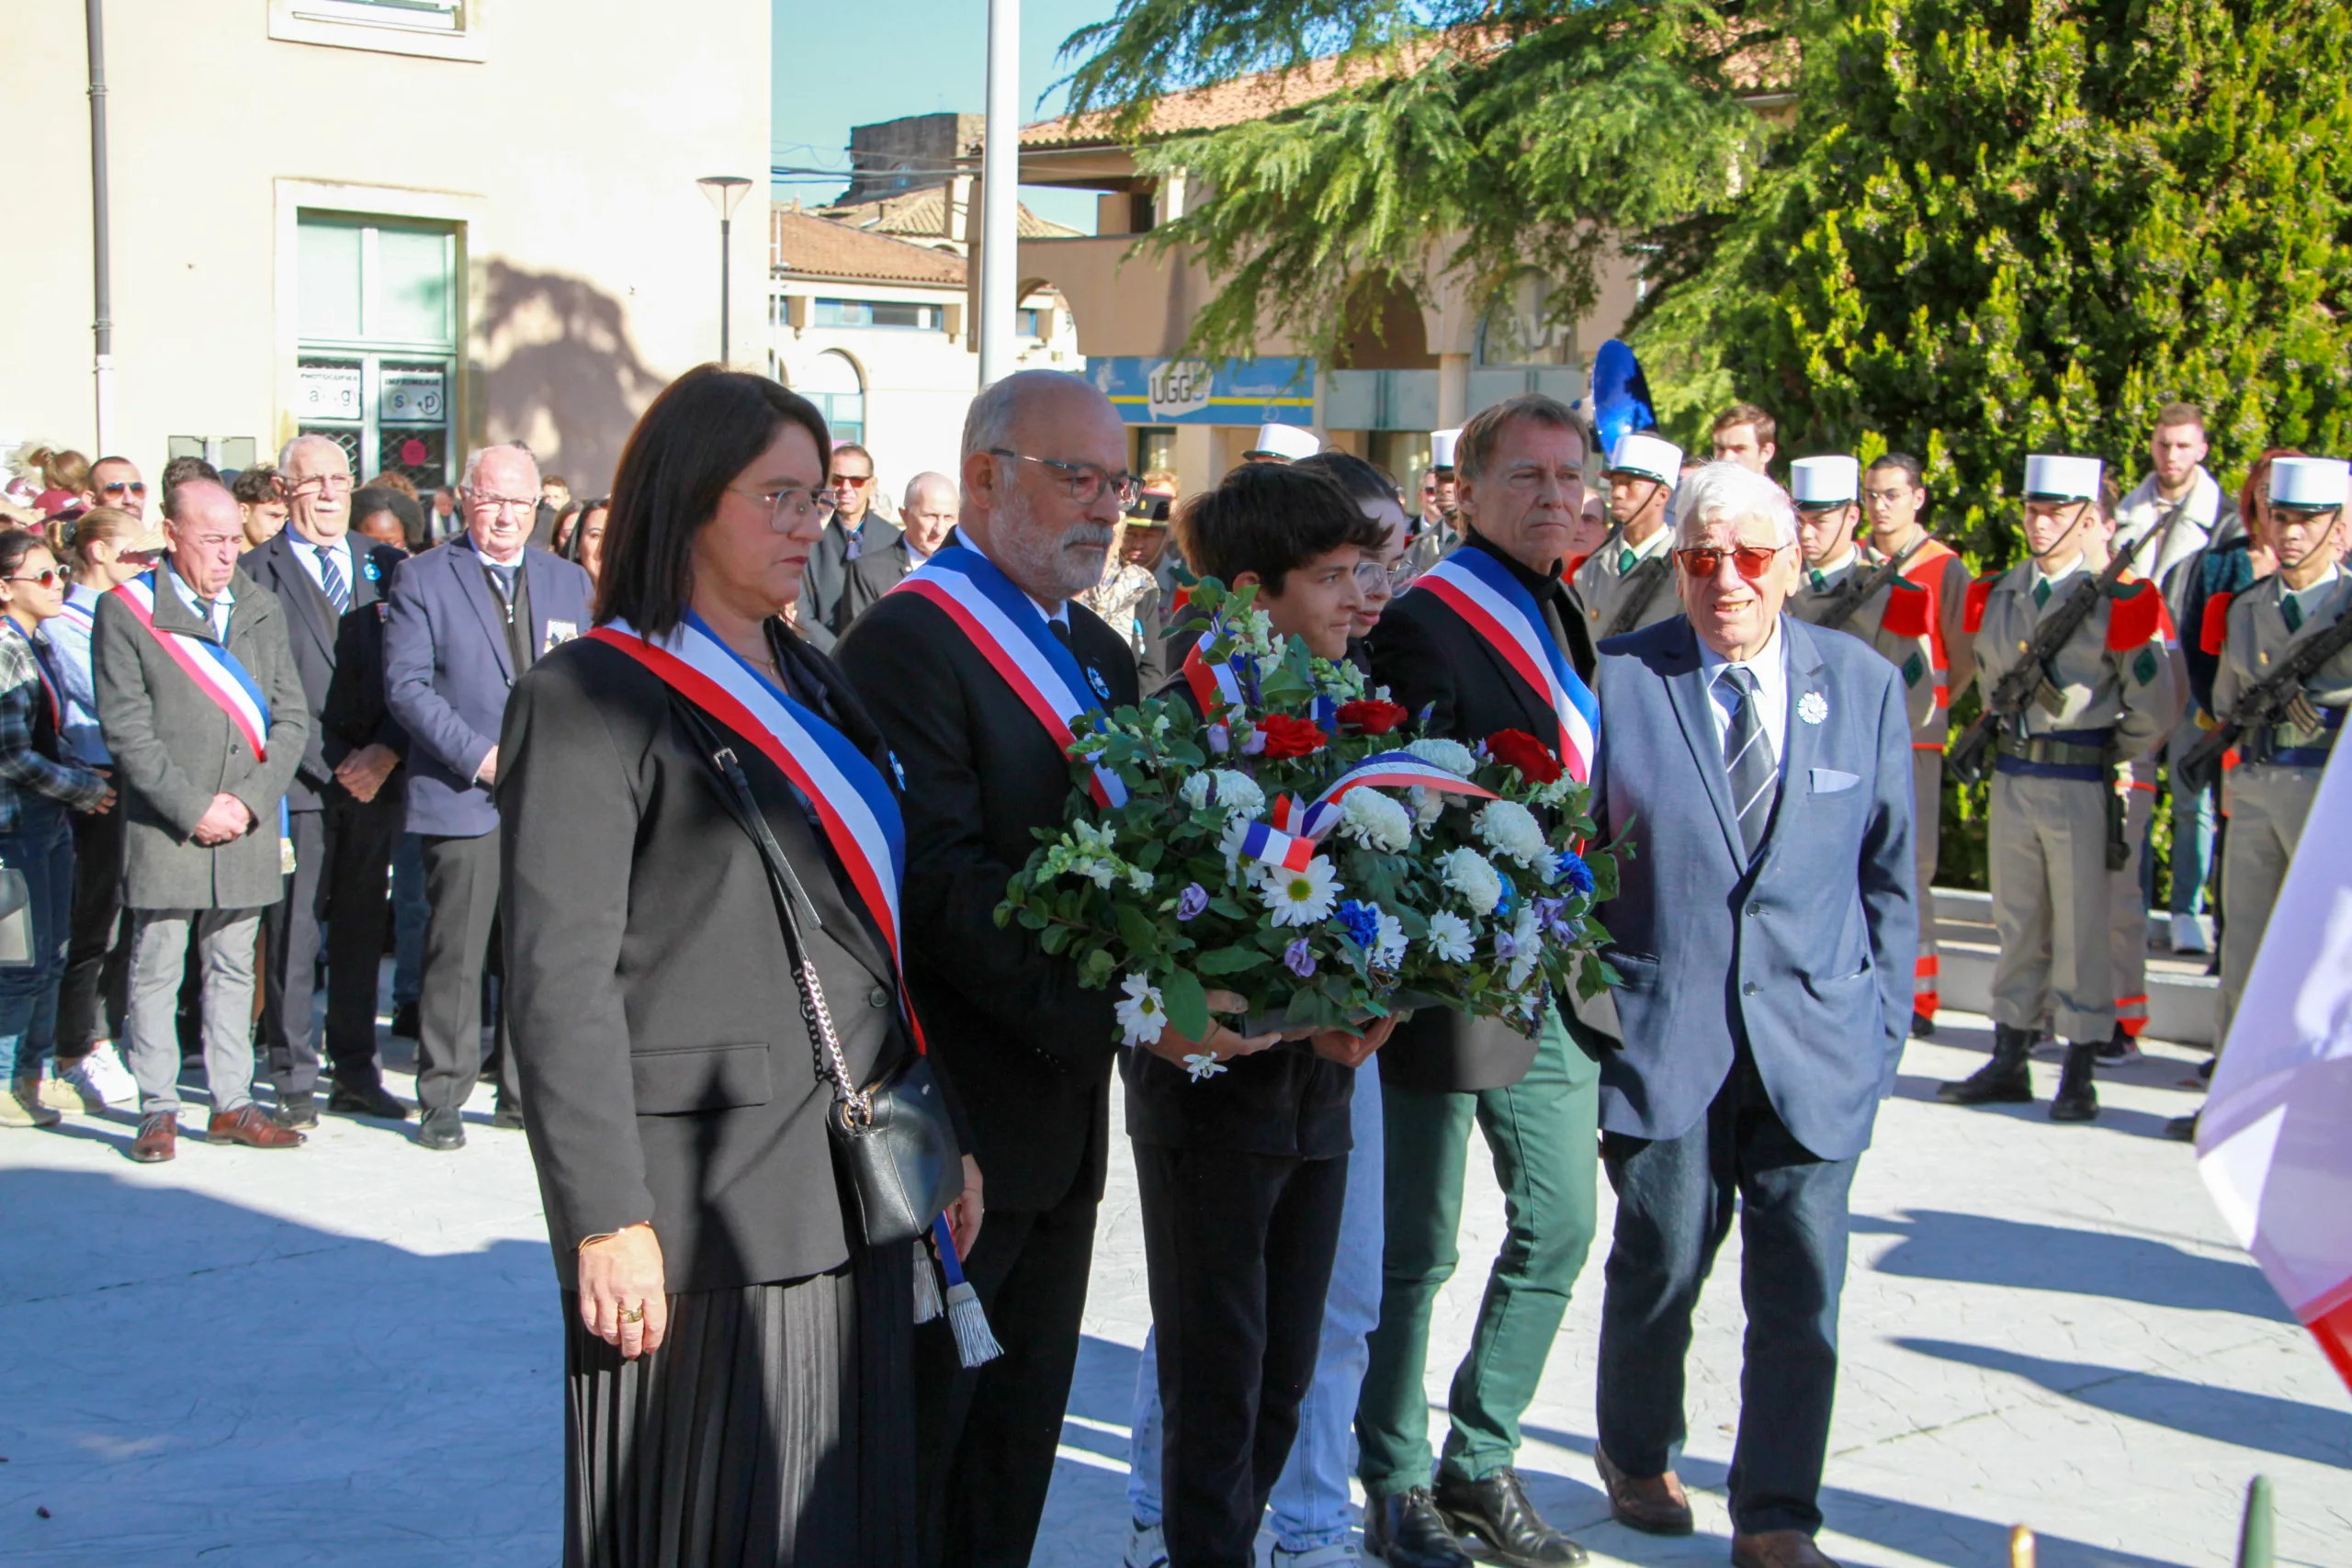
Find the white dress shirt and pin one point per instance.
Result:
(221, 601)
(1770, 669)
(307, 551)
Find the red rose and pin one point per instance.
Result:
(1288, 737)
(1517, 748)
(1372, 717)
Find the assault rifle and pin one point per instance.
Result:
(2278, 696)
(2029, 679)
(1857, 588)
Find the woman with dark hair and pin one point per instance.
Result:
(701, 854)
(586, 545)
(38, 787)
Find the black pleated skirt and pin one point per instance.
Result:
(774, 1427)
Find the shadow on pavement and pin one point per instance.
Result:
(2224, 1415)
(2112, 1118)
(1979, 1249)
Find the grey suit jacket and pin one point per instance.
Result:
(1806, 952)
(175, 749)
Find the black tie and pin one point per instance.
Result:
(331, 578)
(1748, 758)
(1061, 630)
(503, 576)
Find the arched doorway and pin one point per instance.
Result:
(837, 389)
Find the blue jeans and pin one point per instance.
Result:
(42, 848)
(1310, 1505)
(410, 909)
(2192, 845)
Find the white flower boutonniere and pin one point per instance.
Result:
(1813, 707)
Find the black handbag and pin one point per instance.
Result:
(894, 1144)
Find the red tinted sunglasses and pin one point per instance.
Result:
(1750, 560)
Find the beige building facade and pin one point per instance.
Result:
(418, 225)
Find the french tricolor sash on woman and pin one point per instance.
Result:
(853, 802)
(215, 670)
(1481, 590)
(1017, 640)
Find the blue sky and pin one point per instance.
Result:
(844, 62)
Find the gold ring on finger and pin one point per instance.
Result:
(633, 1315)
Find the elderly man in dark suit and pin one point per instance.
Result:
(1764, 930)
(926, 514)
(202, 708)
(341, 817)
(464, 622)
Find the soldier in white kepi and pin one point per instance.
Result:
(1434, 534)
(2075, 679)
(2284, 684)
(1283, 444)
(1627, 583)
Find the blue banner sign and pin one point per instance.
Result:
(1202, 391)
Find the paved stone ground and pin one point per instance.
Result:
(347, 1354)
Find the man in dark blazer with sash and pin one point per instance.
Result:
(203, 854)
(1520, 489)
(1027, 1052)
(465, 621)
(1764, 930)
(343, 810)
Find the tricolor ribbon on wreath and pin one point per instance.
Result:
(1292, 831)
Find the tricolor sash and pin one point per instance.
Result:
(1215, 683)
(853, 802)
(1289, 835)
(215, 670)
(1014, 636)
(1482, 590)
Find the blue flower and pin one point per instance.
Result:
(1551, 914)
(1220, 740)
(1505, 947)
(1508, 902)
(1298, 960)
(1361, 922)
(1192, 901)
(1578, 874)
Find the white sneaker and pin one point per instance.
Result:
(2189, 934)
(1146, 1549)
(1339, 1555)
(96, 1081)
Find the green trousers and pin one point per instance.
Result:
(1542, 1134)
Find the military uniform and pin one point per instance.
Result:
(1627, 587)
(1937, 571)
(1894, 619)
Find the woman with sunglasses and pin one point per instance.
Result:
(39, 785)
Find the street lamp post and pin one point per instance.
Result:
(725, 191)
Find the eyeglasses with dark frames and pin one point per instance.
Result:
(1087, 481)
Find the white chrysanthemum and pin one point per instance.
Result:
(1300, 898)
(1510, 829)
(1373, 820)
(1429, 804)
(1235, 792)
(1469, 873)
(1452, 755)
(1527, 937)
(1142, 1016)
(1388, 947)
(1450, 937)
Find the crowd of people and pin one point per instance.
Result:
(680, 792)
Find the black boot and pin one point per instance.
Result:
(2120, 1047)
(1495, 1510)
(1407, 1531)
(1922, 1026)
(2076, 1099)
(2001, 1081)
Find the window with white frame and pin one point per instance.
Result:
(878, 313)
(376, 320)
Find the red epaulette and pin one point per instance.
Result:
(2215, 632)
(1971, 611)
(1906, 609)
(1575, 564)
(2134, 614)
(1184, 598)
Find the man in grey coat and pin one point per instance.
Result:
(192, 667)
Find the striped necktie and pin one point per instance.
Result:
(331, 578)
(1748, 759)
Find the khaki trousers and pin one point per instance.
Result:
(1926, 820)
(2127, 957)
(2267, 805)
(2051, 906)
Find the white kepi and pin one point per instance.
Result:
(1649, 457)
(2310, 484)
(1441, 444)
(1817, 484)
(2060, 479)
(1288, 442)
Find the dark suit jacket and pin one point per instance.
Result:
(822, 616)
(1807, 954)
(1027, 1051)
(656, 1025)
(320, 638)
(872, 575)
(447, 669)
(1429, 658)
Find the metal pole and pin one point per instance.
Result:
(102, 288)
(724, 225)
(1001, 193)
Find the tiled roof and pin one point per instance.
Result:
(804, 242)
(922, 214)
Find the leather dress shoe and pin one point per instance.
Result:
(248, 1126)
(1778, 1549)
(297, 1111)
(508, 1116)
(405, 1020)
(442, 1130)
(1495, 1509)
(1407, 1531)
(1654, 1504)
(158, 1140)
(366, 1100)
